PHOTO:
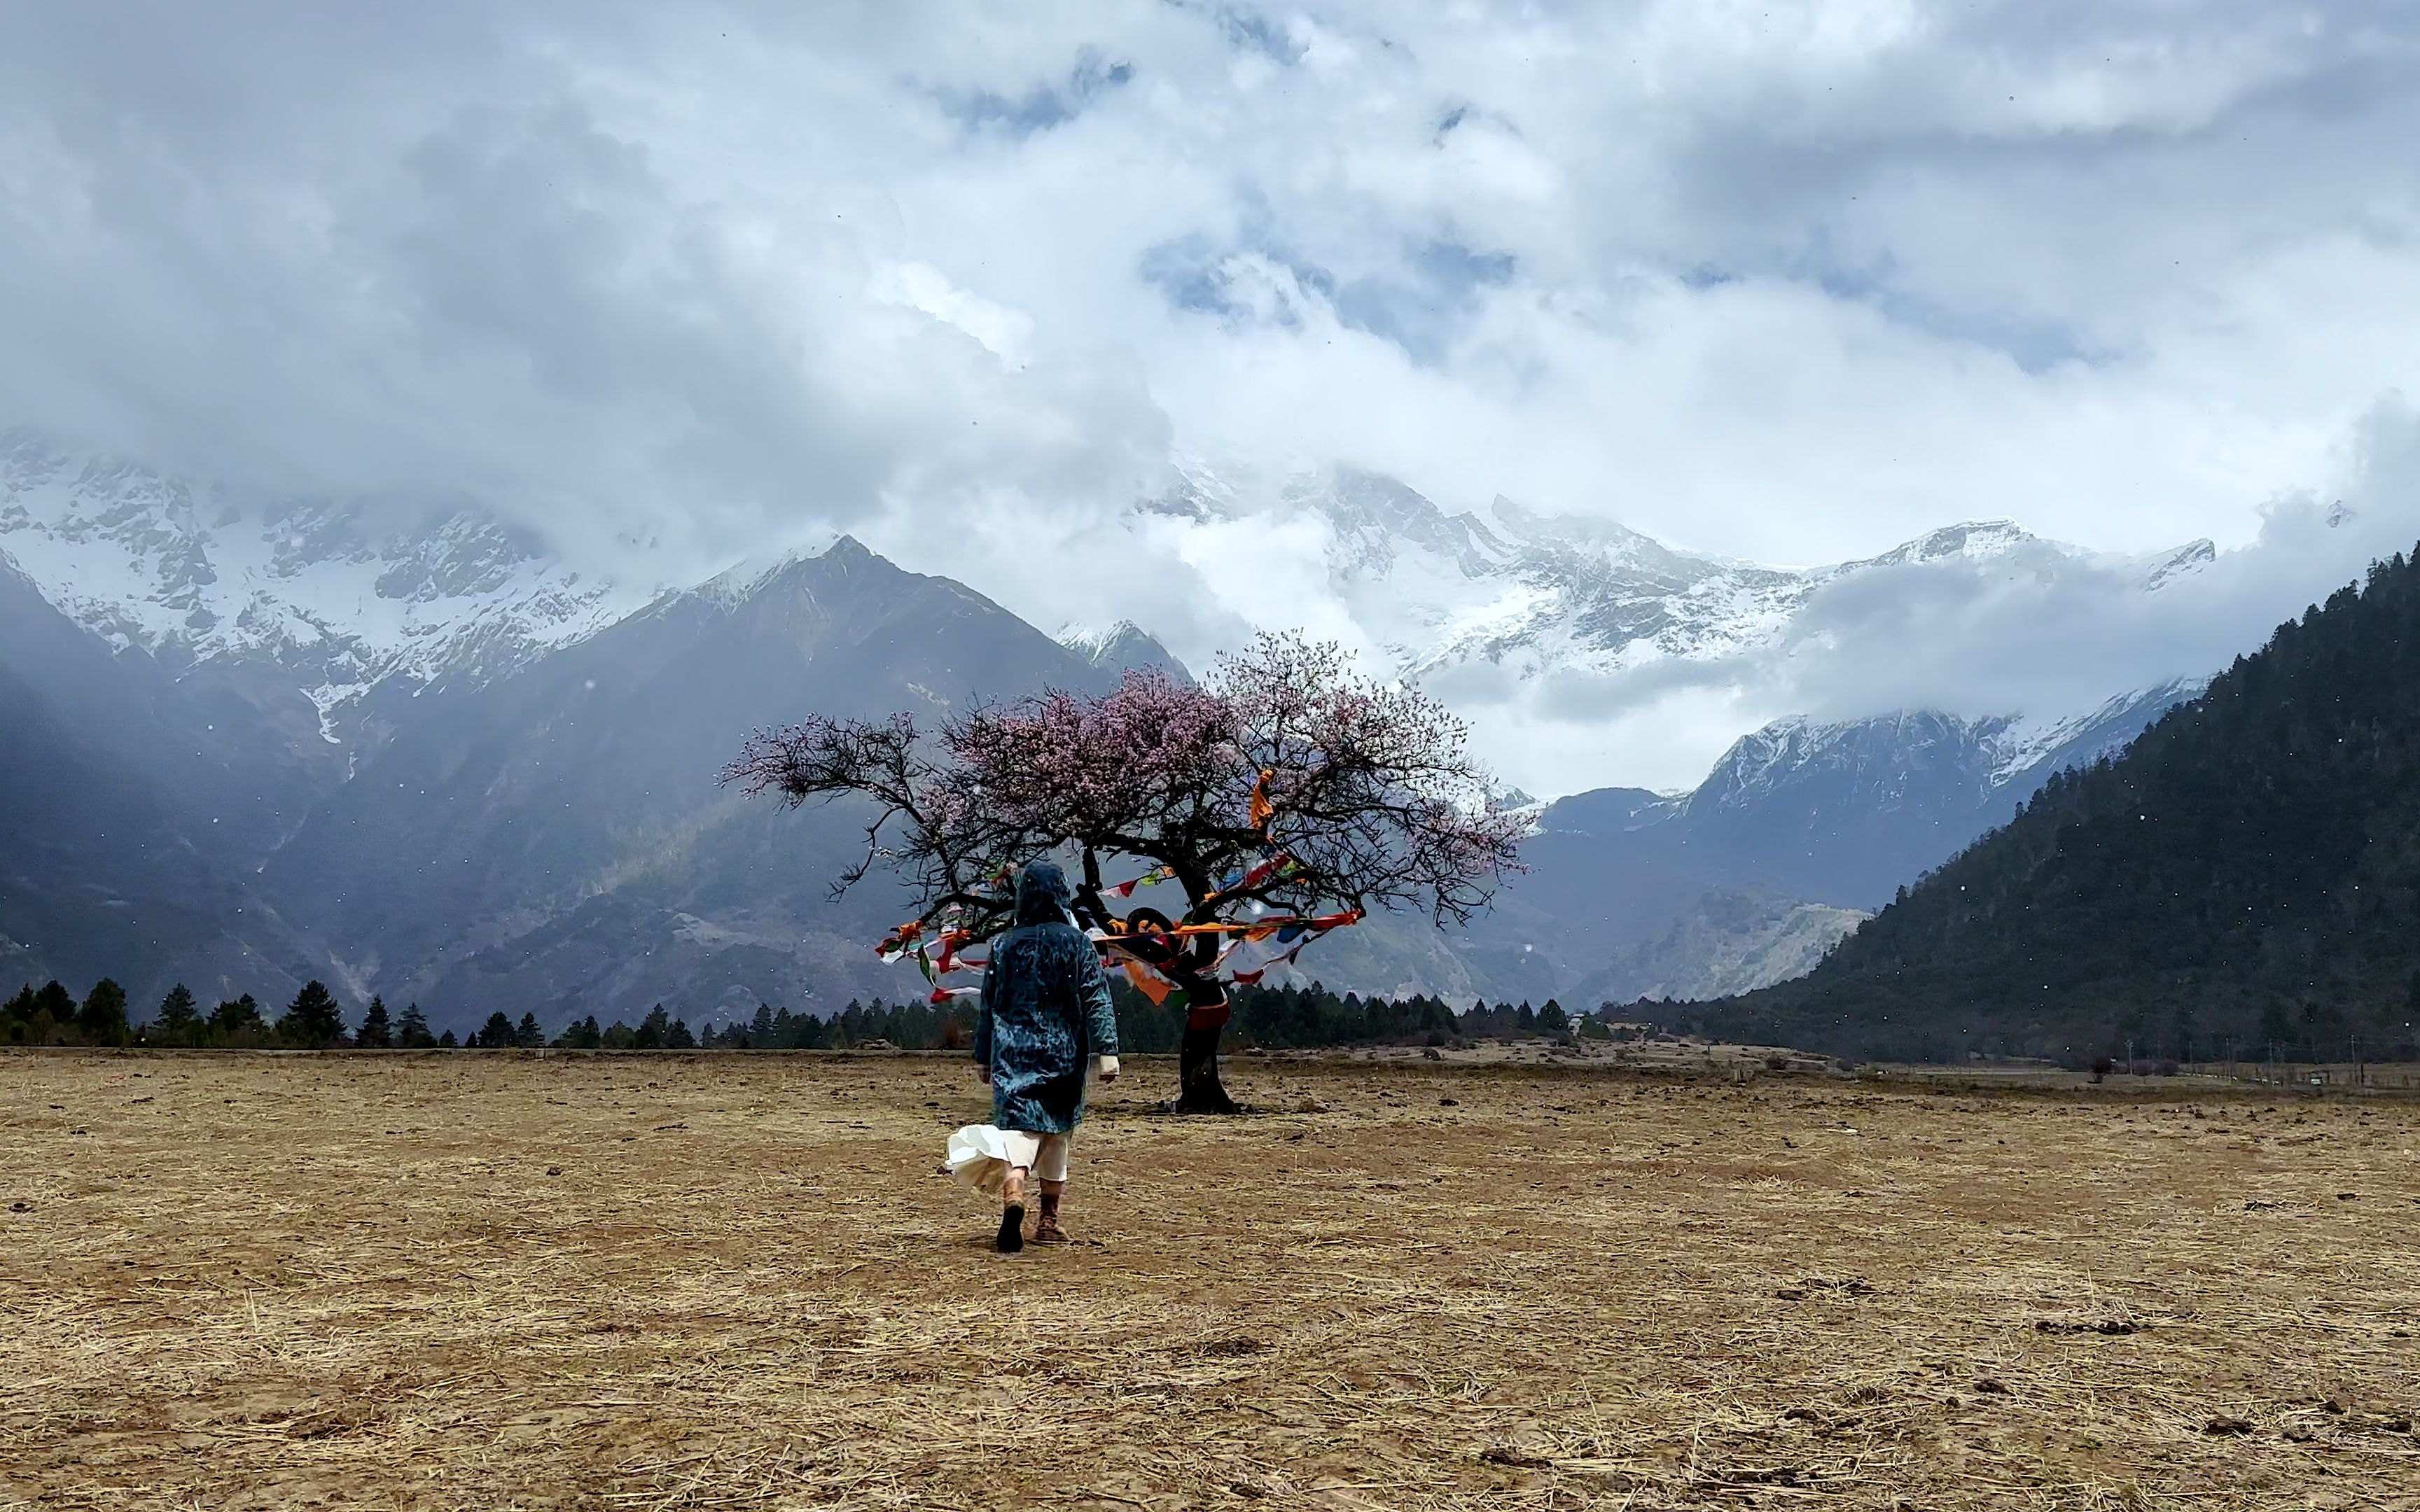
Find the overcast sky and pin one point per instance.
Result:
(1787, 281)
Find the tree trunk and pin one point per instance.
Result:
(1197, 1058)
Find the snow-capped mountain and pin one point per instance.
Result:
(1799, 832)
(436, 759)
(1534, 594)
(336, 596)
(1123, 647)
(1887, 762)
(337, 607)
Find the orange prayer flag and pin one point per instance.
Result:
(1149, 982)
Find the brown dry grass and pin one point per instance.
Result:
(738, 1281)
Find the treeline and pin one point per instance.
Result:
(50, 1014)
(1274, 1018)
(1314, 1018)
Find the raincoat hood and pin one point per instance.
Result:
(1044, 1010)
(1041, 893)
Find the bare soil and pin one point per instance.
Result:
(733, 1281)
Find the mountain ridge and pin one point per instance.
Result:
(1556, 595)
(515, 820)
(2241, 877)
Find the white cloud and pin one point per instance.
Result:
(1788, 281)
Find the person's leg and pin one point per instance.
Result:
(1023, 1149)
(1050, 1164)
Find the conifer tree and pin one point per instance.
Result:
(527, 1034)
(445, 1040)
(54, 1011)
(678, 1036)
(177, 1022)
(654, 1030)
(496, 1034)
(102, 1018)
(376, 1033)
(411, 1031)
(313, 1020)
(237, 1020)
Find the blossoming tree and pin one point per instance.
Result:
(1287, 797)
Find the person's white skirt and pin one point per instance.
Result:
(982, 1156)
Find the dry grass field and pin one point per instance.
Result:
(661, 1282)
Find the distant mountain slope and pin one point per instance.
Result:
(1730, 940)
(1844, 813)
(106, 868)
(2247, 872)
(553, 839)
(1833, 816)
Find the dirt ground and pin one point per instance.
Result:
(733, 1281)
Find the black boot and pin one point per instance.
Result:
(1012, 1214)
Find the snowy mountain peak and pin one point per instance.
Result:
(1092, 644)
(2165, 569)
(1974, 540)
(1509, 598)
(1864, 752)
(1376, 518)
(1881, 756)
(1610, 536)
(1201, 493)
(1123, 646)
(343, 594)
(751, 576)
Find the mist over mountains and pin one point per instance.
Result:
(405, 750)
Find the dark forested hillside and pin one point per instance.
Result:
(2246, 876)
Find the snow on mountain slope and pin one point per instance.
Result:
(2020, 745)
(334, 600)
(1889, 753)
(339, 594)
(1123, 647)
(1537, 593)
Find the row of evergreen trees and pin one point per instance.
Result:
(50, 1014)
(1277, 1018)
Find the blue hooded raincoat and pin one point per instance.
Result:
(1045, 1010)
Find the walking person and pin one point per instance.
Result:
(1046, 1012)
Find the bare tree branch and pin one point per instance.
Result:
(1374, 799)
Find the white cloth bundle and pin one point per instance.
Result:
(982, 1156)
